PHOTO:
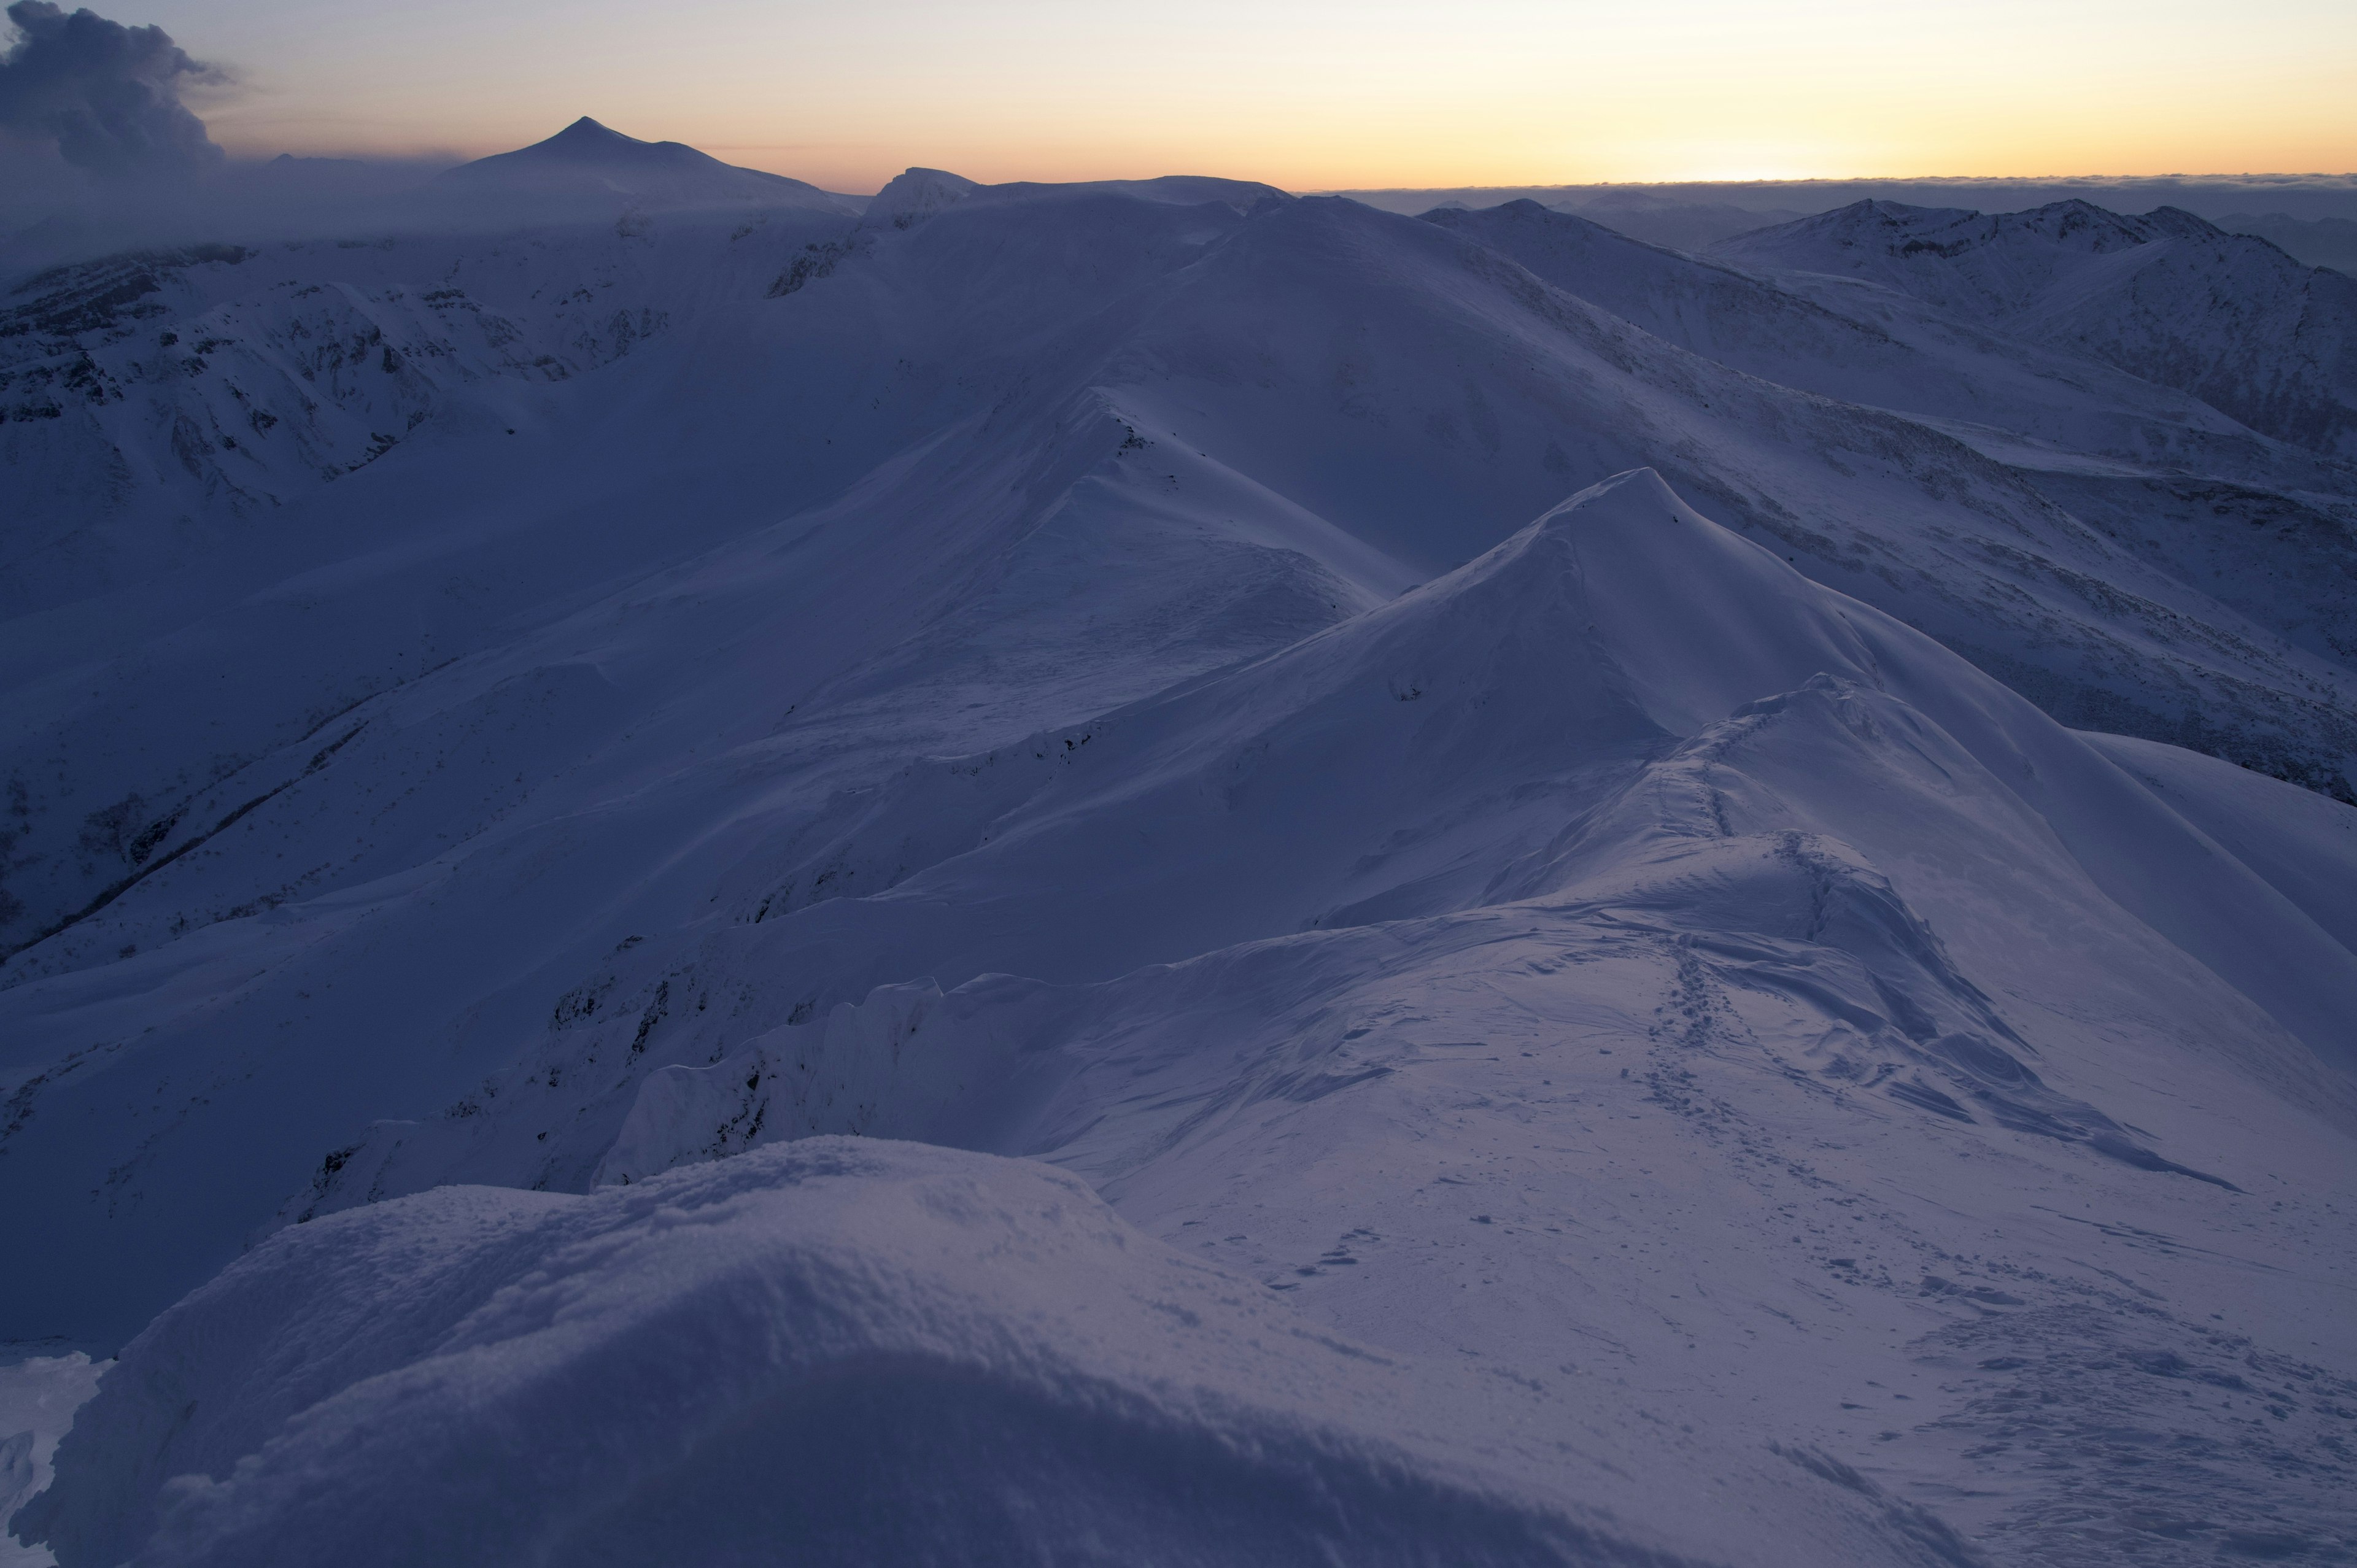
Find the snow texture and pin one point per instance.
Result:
(38, 1398)
(842, 1351)
(1479, 888)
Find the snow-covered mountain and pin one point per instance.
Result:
(589, 158)
(2318, 241)
(1662, 997)
(2261, 525)
(2228, 317)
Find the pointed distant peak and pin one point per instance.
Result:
(588, 139)
(586, 131)
(1632, 495)
(587, 144)
(588, 162)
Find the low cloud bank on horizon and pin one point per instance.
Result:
(1306, 94)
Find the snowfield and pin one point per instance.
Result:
(842, 1351)
(1150, 871)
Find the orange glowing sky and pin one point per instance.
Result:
(1315, 95)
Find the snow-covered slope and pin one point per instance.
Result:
(1071, 673)
(2166, 297)
(208, 379)
(852, 1352)
(2260, 525)
(914, 195)
(1983, 380)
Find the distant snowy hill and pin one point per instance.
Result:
(587, 158)
(1714, 890)
(1663, 220)
(2228, 317)
(2318, 241)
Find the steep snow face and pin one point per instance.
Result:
(152, 406)
(39, 1397)
(877, 1352)
(209, 379)
(2265, 527)
(1977, 379)
(1404, 436)
(914, 195)
(2166, 297)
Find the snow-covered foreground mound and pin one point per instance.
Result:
(841, 1352)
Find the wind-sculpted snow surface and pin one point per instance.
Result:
(845, 1352)
(1109, 676)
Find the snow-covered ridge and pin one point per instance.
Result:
(1620, 647)
(1522, 799)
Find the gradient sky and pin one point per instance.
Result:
(1309, 94)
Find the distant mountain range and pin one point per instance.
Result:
(588, 159)
(2166, 297)
(2305, 197)
(2312, 217)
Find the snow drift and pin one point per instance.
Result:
(840, 1352)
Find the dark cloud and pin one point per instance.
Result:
(107, 95)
